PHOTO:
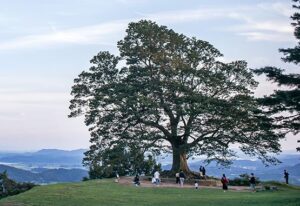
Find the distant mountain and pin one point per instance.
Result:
(19, 175)
(45, 176)
(63, 175)
(47, 157)
(53, 165)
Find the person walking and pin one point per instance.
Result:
(177, 178)
(252, 182)
(224, 182)
(181, 178)
(286, 177)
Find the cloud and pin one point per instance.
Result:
(41, 98)
(264, 36)
(131, 1)
(96, 34)
(186, 15)
(278, 7)
(253, 22)
(248, 21)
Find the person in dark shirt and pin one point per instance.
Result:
(204, 172)
(201, 171)
(286, 177)
(136, 180)
(252, 182)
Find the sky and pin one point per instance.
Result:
(45, 44)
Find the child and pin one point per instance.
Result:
(196, 185)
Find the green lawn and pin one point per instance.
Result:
(104, 192)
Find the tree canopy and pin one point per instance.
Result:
(286, 100)
(168, 92)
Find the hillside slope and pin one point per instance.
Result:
(105, 192)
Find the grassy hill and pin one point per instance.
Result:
(105, 192)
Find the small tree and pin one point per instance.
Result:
(9, 187)
(120, 159)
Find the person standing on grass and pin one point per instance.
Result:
(252, 182)
(117, 177)
(177, 177)
(196, 185)
(181, 178)
(156, 176)
(286, 177)
(204, 172)
(201, 171)
(225, 182)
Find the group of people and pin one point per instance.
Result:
(202, 172)
(225, 182)
(252, 181)
(180, 177)
(156, 178)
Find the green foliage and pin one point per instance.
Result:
(121, 159)
(9, 187)
(243, 180)
(171, 94)
(108, 193)
(85, 179)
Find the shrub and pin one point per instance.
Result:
(243, 180)
(9, 187)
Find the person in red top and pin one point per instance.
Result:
(225, 182)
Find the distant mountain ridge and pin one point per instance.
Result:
(44, 166)
(53, 165)
(42, 157)
(45, 176)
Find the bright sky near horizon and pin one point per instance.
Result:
(44, 45)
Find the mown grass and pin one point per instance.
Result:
(105, 192)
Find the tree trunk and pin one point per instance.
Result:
(180, 161)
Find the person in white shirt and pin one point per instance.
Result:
(156, 176)
(196, 185)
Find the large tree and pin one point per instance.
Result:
(285, 103)
(169, 92)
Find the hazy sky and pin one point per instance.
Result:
(45, 44)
